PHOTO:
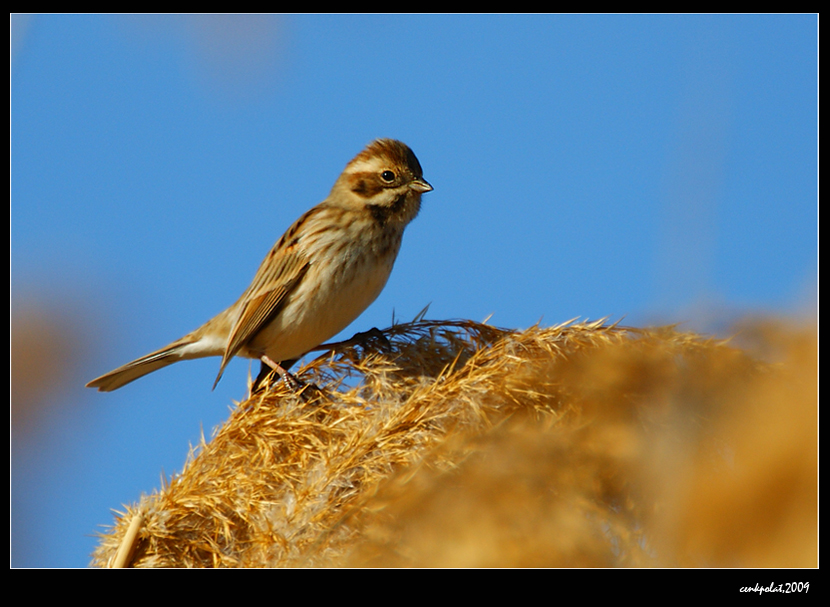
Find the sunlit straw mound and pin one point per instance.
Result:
(460, 444)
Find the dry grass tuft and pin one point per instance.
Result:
(466, 445)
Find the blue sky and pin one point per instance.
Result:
(657, 168)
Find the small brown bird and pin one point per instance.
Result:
(325, 270)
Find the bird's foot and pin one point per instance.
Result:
(270, 370)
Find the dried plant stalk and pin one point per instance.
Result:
(461, 444)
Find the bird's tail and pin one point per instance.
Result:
(140, 367)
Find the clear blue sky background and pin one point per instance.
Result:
(661, 168)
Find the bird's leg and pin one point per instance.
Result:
(262, 378)
(269, 366)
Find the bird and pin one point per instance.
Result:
(327, 268)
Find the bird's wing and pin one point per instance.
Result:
(278, 275)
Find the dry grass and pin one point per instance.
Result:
(467, 445)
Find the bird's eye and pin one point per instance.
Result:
(388, 176)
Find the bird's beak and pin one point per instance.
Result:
(420, 186)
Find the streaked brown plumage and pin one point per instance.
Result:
(324, 271)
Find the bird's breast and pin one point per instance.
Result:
(329, 298)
